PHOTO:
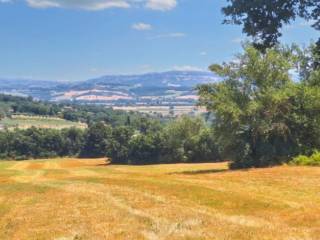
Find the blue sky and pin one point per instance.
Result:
(81, 39)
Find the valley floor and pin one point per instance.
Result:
(88, 199)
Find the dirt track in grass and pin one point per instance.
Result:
(88, 199)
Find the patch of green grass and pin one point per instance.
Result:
(93, 180)
(4, 208)
(10, 173)
(55, 172)
(4, 165)
(18, 187)
(6, 172)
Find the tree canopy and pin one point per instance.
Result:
(263, 116)
(263, 19)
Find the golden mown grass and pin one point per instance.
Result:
(88, 199)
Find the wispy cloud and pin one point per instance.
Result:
(95, 5)
(141, 26)
(187, 68)
(169, 35)
(162, 5)
(91, 5)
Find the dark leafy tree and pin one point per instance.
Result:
(73, 141)
(119, 147)
(145, 149)
(176, 134)
(263, 19)
(97, 139)
(202, 147)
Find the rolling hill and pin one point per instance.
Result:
(174, 87)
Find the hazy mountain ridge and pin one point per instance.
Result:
(150, 88)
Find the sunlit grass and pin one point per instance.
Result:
(89, 199)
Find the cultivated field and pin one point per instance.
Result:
(24, 122)
(163, 110)
(87, 199)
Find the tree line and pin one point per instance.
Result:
(182, 140)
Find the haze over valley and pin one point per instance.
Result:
(165, 88)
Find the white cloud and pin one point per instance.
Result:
(163, 5)
(170, 35)
(141, 26)
(204, 53)
(92, 5)
(187, 68)
(95, 5)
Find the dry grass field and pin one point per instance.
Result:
(88, 199)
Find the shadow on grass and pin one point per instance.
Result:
(103, 164)
(190, 172)
(198, 172)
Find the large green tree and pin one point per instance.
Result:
(262, 115)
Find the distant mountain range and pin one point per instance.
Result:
(174, 87)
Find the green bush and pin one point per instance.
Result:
(313, 160)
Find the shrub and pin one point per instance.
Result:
(302, 160)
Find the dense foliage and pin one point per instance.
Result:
(13, 104)
(263, 115)
(40, 143)
(264, 19)
(183, 140)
